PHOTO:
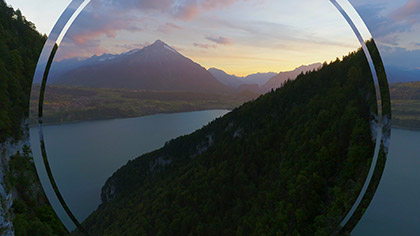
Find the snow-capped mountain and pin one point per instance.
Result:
(155, 67)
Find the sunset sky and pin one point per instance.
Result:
(238, 36)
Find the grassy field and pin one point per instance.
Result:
(64, 104)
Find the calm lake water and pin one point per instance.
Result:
(83, 155)
(395, 208)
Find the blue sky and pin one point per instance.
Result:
(239, 36)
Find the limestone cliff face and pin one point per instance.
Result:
(8, 149)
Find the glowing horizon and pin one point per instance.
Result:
(236, 36)
(394, 26)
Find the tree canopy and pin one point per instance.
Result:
(291, 162)
(20, 46)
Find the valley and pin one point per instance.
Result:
(405, 99)
(64, 104)
(152, 80)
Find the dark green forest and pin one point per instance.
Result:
(32, 213)
(20, 47)
(290, 162)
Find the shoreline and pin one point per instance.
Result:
(32, 125)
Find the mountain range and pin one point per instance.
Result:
(260, 82)
(155, 67)
(399, 74)
(162, 68)
(235, 81)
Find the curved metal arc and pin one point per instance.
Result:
(334, 2)
(379, 127)
(56, 36)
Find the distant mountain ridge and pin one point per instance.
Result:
(260, 82)
(160, 67)
(226, 79)
(236, 81)
(280, 78)
(155, 67)
(259, 78)
(399, 74)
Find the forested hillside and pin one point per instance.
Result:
(291, 162)
(20, 46)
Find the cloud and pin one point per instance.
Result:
(220, 40)
(70, 49)
(217, 4)
(379, 24)
(409, 13)
(93, 23)
(187, 11)
(128, 47)
(161, 5)
(169, 27)
(386, 27)
(190, 9)
(205, 46)
(155, 4)
(107, 18)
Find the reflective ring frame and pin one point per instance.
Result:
(76, 7)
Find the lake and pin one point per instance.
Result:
(83, 155)
(395, 208)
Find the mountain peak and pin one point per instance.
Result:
(159, 44)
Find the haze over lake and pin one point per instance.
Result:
(83, 155)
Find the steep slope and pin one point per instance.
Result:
(226, 79)
(20, 45)
(279, 79)
(24, 208)
(155, 67)
(289, 163)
